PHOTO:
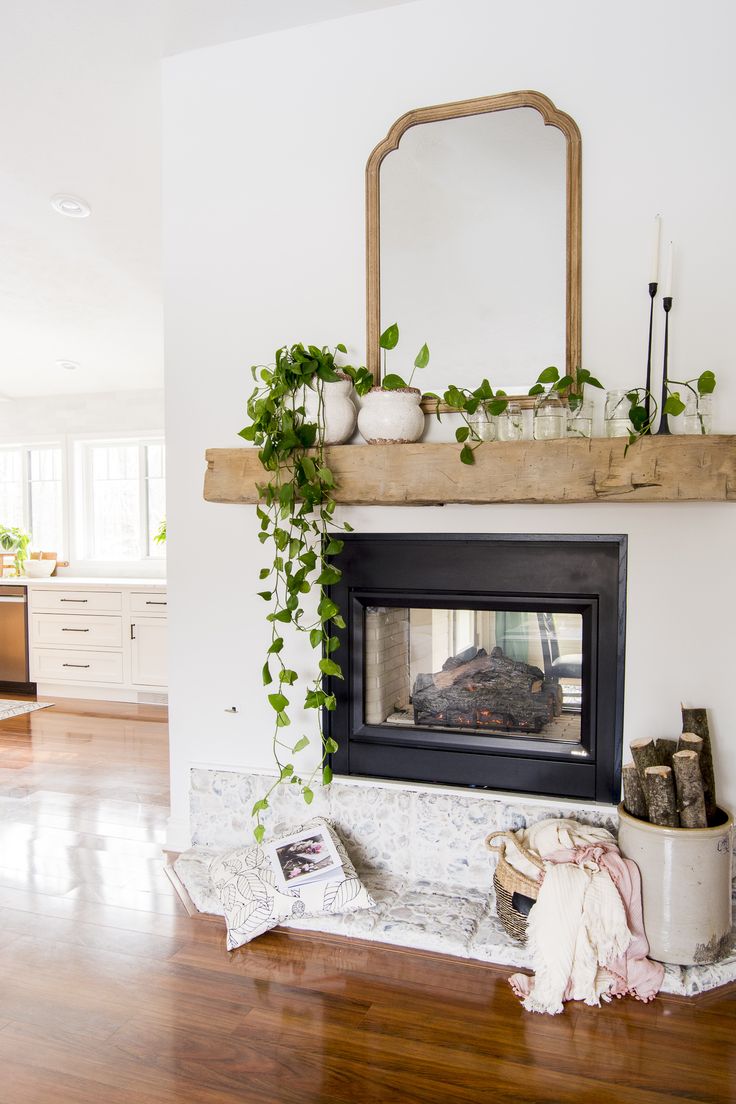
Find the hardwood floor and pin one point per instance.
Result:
(110, 992)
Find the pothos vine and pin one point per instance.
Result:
(296, 514)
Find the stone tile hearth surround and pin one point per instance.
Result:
(419, 849)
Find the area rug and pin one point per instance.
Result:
(9, 708)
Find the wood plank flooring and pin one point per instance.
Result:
(110, 992)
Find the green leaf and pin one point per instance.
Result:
(264, 572)
(288, 677)
(266, 595)
(497, 406)
(326, 774)
(330, 702)
(593, 382)
(462, 434)
(300, 744)
(338, 621)
(308, 795)
(278, 701)
(390, 337)
(392, 382)
(537, 389)
(329, 576)
(258, 833)
(266, 674)
(564, 383)
(706, 383)
(329, 667)
(276, 646)
(330, 746)
(260, 806)
(334, 547)
(549, 375)
(282, 721)
(325, 476)
(327, 609)
(674, 404)
(286, 772)
(421, 360)
(332, 644)
(315, 637)
(283, 615)
(340, 348)
(466, 455)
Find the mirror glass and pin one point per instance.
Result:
(473, 245)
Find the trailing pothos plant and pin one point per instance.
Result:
(569, 388)
(296, 514)
(466, 403)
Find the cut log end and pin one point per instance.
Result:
(689, 788)
(695, 721)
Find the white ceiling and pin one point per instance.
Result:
(80, 113)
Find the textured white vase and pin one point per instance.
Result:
(338, 410)
(686, 887)
(391, 417)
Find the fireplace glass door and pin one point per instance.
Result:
(473, 671)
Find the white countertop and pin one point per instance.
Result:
(76, 582)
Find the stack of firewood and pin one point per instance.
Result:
(671, 782)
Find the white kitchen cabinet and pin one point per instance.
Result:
(103, 639)
(148, 650)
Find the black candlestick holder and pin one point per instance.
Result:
(663, 423)
(648, 388)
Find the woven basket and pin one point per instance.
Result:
(507, 881)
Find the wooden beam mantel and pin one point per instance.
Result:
(655, 469)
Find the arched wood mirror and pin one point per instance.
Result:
(473, 242)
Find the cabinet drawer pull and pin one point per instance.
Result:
(75, 630)
(155, 603)
(74, 599)
(76, 665)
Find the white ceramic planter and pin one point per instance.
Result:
(686, 887)
(338, 410)
(391, 417)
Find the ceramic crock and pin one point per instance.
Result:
(391, 417)
(338, 410)
(686, 886)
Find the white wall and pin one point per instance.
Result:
(265, 144)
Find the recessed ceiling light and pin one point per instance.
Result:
(70, 205)
(70, 365)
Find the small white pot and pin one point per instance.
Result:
(338, 410)
(686, 887)
(391, 417)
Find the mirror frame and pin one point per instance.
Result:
(458, 110)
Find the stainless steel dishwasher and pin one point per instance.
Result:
(13, 637)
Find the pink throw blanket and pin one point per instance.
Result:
(633, 973)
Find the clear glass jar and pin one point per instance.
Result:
(483, 423)
(698, 415)
(510, 423)
(580, 420)
(617, 414)
(550, 419)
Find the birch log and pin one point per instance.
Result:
(696, 721)
(661, 799)
(689, 785)
(635, 801)
(644, 753)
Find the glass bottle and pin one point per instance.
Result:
(580, 419)
(483, 424)
(617, 414)
(698, 416)
(550, 419)
(510, 423)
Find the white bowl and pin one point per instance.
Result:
(39, 569)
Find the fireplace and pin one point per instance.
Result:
(485, 661)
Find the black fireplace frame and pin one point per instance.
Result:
(577, 573)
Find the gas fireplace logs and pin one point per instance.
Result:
(671, 782)
(478, 690)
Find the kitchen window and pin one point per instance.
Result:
(124, 498)
(32, 493)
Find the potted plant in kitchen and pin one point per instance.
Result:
(15, 541)
(390, 412)
(296, 514)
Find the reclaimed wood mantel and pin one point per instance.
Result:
(655, 469)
